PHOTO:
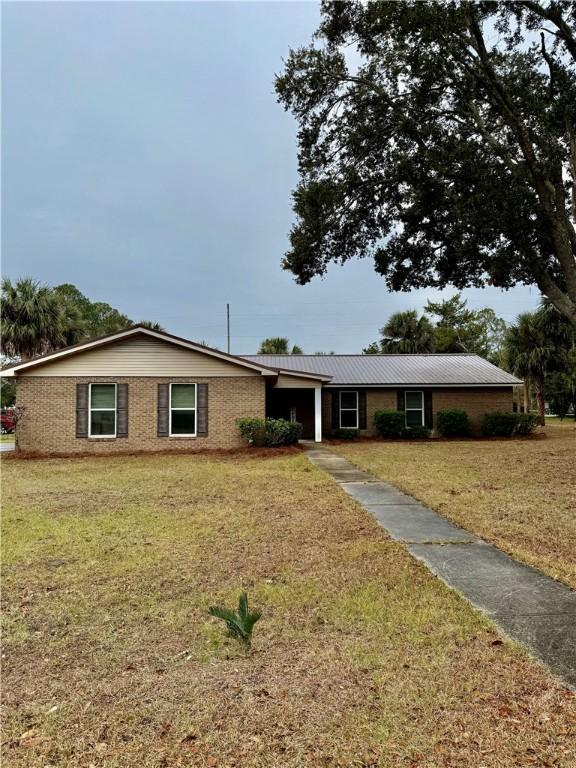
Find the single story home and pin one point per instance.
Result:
(144, 390)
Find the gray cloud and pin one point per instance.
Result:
(146, 160)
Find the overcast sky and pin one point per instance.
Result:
(145, 160)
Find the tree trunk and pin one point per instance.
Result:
(540, 402)
(526, 395)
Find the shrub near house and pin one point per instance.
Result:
(508, 424)
(345, 434)
(392, 424)
(269, 432)
(453, 423)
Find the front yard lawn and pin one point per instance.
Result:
(361, 658)
(518, 494)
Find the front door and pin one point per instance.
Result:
(292, 405)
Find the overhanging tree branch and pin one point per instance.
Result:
(552, 13)
(460, 149)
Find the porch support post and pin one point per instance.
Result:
(318, 415)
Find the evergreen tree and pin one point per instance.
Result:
(445, 150)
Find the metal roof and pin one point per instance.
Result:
(394, 370)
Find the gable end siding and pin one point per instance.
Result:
(141, 356)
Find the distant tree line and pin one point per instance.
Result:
(453, 328)
(38, 318)
(278, 345)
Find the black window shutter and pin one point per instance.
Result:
(428, 414)
(82, 410)
(335, 409)
(202, 410)
(362, 410)
(121, 410)
(163, 415)
(401, 400)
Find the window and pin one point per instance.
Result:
(183, 410)
(102, 407)
(414, 408)
(349, 410)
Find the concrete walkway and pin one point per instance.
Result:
(528, 606)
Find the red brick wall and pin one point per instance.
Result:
(49, 421)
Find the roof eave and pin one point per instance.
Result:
(304, 374)
(412, 384)
(137, 329)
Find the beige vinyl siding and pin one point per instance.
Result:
(296, 382)
(140, 357)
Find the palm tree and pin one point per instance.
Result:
(517, 353)
(556, 326)
(34, 320)
(536, 343)
(406, 333)
(151, 325)
(278, 345)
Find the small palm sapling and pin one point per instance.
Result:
(240, 623)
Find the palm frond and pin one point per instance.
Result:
(233, 623)
(240, 623)
(243, 605)
(250, 620)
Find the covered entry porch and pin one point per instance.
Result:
(297, 398)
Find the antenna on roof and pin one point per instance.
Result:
(228, 325)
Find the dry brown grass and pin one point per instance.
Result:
(361, 658)
(518, 494)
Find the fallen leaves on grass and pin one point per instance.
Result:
(361, 658)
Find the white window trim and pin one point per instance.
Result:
(340, 409)
(195, 409)
(115, 409)
(406, 409)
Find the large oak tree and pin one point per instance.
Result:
(438, 138)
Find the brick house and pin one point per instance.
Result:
(140, 390)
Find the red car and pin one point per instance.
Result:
(7, 421)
